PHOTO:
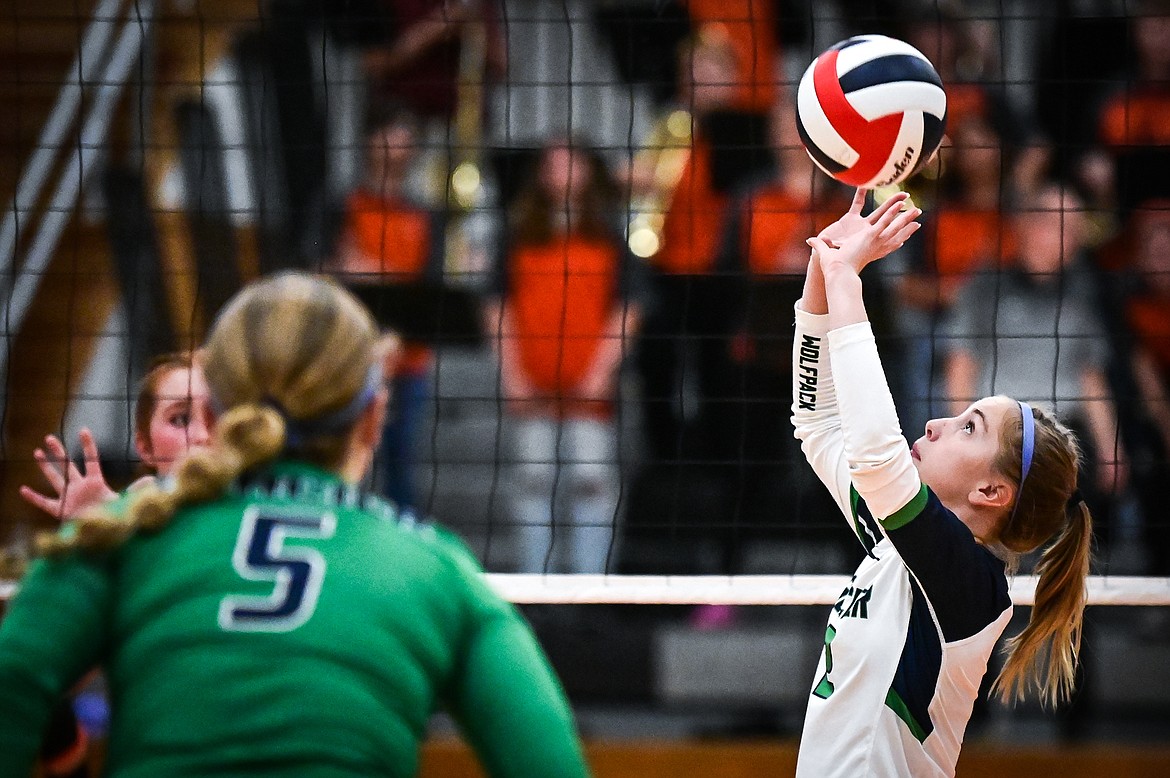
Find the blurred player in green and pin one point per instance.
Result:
(261, 615)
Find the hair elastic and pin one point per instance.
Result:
(297, 431)
(1028, 447)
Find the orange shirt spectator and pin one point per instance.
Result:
(401, 243)
(564, 285)
(562, 296)
(778, 223)
(694, 218)
(962, 240)
(750, 29)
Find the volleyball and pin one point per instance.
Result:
(871, 110)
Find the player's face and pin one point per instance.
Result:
(1050, 231)
(1153, 252)
(958, 454)
(713, 78)
(564, 174)
(391, 150)
(976, 151)
(181, 420)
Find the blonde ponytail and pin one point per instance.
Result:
(245, 437)
(1044, 656)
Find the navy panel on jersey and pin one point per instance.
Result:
(869, 532)
(918, 669)
(964, 581)
(889, 69)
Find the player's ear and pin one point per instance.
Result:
(992, 493)
(373, 419)
(142, 447)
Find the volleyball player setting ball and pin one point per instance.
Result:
(943, 522)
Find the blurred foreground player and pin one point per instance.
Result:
(264, 616)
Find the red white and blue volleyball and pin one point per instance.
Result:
(871, 111)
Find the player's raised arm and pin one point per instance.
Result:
(815, 414)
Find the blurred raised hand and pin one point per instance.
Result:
(73, 489)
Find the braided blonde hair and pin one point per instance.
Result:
(285, 351)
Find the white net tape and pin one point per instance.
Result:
(751, 589)
(530, 589)
(768, 589)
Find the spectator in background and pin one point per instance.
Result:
(434, 51)
(391, 238)
(947, 37)
(765, 245)
(684, 347)
(1145, 308)
(1031, 331)
(1134, 123)
(749, 29)
(964, 232)
(567, 308)
(966, 51)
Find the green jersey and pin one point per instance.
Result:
(295, 626)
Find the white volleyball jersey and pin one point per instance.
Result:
(908, 641)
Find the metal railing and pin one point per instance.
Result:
(105, 69)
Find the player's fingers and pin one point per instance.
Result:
(50, 470)
(41, 502)
(885, 214)
(903, 235)
(93, 461)
(858, 200)
(901, 220)
(819, 246)
(72, 475)
(56, 448)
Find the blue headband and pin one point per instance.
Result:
(297, 431)
(1028, 447)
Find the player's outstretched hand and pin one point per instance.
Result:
(856, 240)
(75, 490)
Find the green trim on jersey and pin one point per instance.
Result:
(895, 703)
(859, 529)
(908, 512)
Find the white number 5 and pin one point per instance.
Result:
(297, 572)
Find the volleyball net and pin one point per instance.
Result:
(586, 221)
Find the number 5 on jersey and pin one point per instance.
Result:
(296, 572)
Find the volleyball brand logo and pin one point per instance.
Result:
(900, 166)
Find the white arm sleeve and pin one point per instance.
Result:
(878, 457)
(815, 417)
